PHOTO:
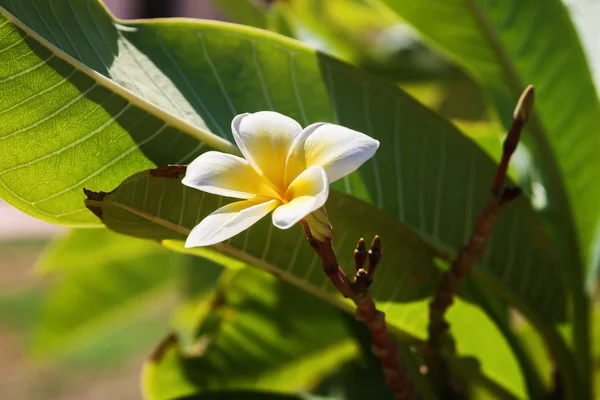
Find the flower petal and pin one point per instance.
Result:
(337, 149)
(308, 192)
(264, 139)
(228, 221)
(226, 175)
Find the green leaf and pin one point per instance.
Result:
(64, 125)
(410, 274)
(534, 345)
(405, 277)
(363, 378)
(260, 333)
(507, 45)
(245, 12)
(96, 297)
(495, 362)
(87, 248)
(596, 343)
(492, 351)
(350, 30)
(418, 176)
(584, 16)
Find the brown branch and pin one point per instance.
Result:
(396, 375)
(474, 249)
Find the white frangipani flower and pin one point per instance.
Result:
(285, 169)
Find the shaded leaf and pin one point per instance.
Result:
(408, 272)
(259, 334)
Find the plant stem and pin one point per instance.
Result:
(470, 254)
(396, 375)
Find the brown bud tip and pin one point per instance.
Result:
(360, 254)
(376, 243)
(360, 245)
(374, 255)
(525, 105)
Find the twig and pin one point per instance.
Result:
(396, 375)
(470, 254)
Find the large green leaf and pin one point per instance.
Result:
(95, 297)
(140, 207)
(426, 174)
(506, 45)
(404, 278)
(259, 333)
(64, 125)
(585, 15)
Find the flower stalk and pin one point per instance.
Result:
(473, 251)
(357, 289)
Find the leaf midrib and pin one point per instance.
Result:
(196, 132)
(250, 260)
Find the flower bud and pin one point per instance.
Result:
(319, 224)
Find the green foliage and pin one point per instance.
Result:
(283, 253)
(249, 70)
(246, 12)
(119, 302)
(400, 292)
(96, 296)
(99, 103)
(257, 333)
(507, 45)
